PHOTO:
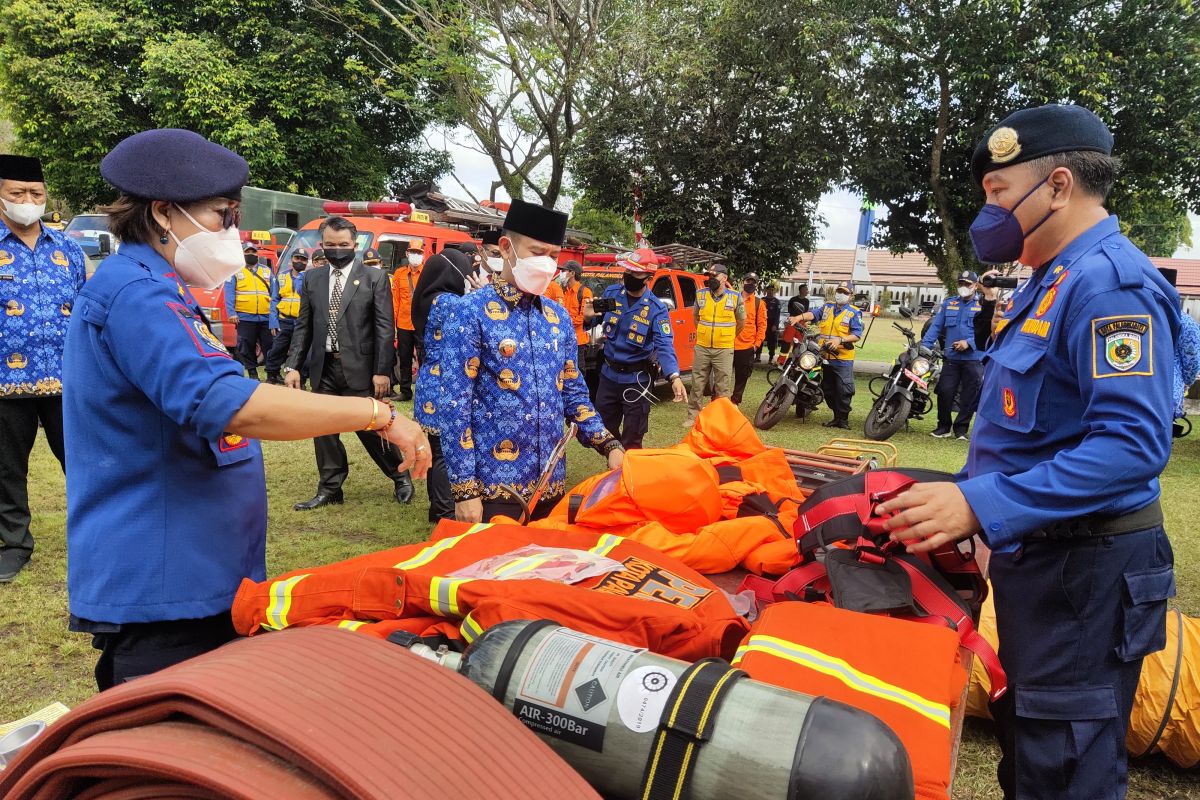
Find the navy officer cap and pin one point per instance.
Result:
(537, 222)
(176, 165)
(1035, 132)
(967, 276)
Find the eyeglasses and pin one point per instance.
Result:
(230, 216)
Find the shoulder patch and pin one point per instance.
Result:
(665, 327)
(207, 344)
(1122, 346)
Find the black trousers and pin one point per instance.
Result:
(837, 384)
(961, 379)
(141, 648)
(511, 508)
(771, 342)
(331, 454)
(743, 368)
(437, 483)
(18, 430)
(250, 337)
(406, 346)
(627, 419)
(280, 346)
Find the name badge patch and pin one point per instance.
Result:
(1122, 346)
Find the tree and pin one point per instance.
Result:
(734, 129)
(1156, 224)
(267, 78)
(516, 73)
(607, 226)
(934, 75)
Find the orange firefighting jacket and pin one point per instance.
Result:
(907, 674)
(404, 281)
(572, 298)
(654, 601)
(754, 333)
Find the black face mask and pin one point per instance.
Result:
(634, 284)
(339, 257)
(251, 260)
(713, 284)
(299, 266)
(748, 288)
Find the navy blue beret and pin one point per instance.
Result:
(1035, 132)
(177, 165)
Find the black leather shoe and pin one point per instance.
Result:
(12, 561)
(404, 488)
(837, 423)
(331, 499)
(406, 395)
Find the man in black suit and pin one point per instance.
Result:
(351, 357)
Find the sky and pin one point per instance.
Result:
(840, 209)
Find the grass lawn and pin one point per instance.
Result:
(40, 661)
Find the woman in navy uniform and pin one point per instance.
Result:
(638, 343)
(1061, 479)
(166, 505)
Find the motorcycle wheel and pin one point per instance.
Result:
(774, 406)
(887, 416)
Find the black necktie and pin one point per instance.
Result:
(335, 309)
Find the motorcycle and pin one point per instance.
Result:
(907, 391)
(797, 381)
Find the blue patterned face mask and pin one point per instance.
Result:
(996, 232)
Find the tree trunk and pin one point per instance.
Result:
(953, 262)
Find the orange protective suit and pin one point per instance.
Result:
(653, 601)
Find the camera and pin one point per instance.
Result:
(999, 281)
(602, 305)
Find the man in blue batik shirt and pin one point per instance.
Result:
(41, 272)
(1061, 479)
(510, 379)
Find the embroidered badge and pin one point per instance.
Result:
(232, 441)
(207, 344)
(1010, 403)
(665, 327)
(1051, 295)
(1126, 345)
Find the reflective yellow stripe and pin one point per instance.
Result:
(281, 603)
(470, 629)
(434, 550)
(519, 565)
(606, 544)
(851, 677)
(350, 624)
(443, 596)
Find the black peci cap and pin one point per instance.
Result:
(1035, 132)
(536, 222)
(176, 165)
(21, 168)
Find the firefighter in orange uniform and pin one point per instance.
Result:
(749, 338)
(404, 281)
(568, 289)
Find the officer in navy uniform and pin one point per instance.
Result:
(638, 346)
(962, 366)
(166, 504)
(1062, 476)
(41, 271)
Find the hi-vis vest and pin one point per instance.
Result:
(253, 291)
(831, 322)
(717, 326)
(289, 298)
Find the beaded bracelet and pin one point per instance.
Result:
(384, 429)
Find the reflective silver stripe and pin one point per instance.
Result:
(351, 624)
(281, 603)
(443, 596)
(606, 544)
(470, 629)
(434, 550)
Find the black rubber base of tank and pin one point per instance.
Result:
(845, 753)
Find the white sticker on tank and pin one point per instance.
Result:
(642, 697)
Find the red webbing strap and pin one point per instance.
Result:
(878, 487)
(943, 610)
(792, 584)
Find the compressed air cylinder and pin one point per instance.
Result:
(599, 705)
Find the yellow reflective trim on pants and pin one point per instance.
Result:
(428, 554)
(443, 596)
(281, 602)
(351, 624)
(470, 629)
(606, 544)
(840, 670)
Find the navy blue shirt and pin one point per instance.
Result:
(633, 331)
(955, 320)
(166, 512)
(37, 295)
(1075, 411)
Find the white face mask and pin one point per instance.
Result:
(24, 213)
(495, 263)
(414, 259)
(841, 299)
(207, 259)
(564, 279)
(965, 291)
(533, 274)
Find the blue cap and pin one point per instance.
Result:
(966, 276)
(176, 165)
(1035, 132)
